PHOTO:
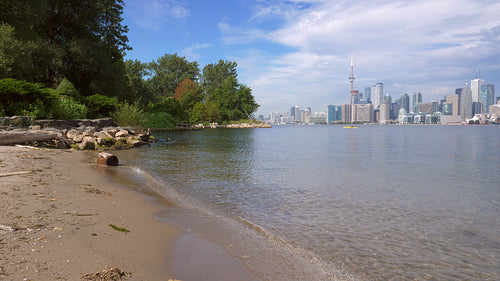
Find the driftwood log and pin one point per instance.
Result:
(13, 137)
(109, 159)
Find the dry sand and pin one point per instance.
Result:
(55, 220)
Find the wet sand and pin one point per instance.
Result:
(55, 217)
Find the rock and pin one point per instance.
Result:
(122, 134)
(87, 143)
(133, 141)
(74, 135)
(89, 131)
(103, 135)
(111, 130)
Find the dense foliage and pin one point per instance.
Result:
(65, 59)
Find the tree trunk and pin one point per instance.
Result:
(107, 159)
(14, 137)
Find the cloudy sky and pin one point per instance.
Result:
(298, 52)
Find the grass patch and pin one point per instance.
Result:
(122, 229)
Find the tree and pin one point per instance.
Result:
(234, 100)
(137, 87)
(188, 93)
(215, 74)
(83, 41)
(168, 71)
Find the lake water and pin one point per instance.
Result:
(328, 203)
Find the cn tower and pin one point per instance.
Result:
(351, 78)
(354, 93)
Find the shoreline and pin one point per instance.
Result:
(56, 217)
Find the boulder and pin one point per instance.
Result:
(122, 134)
(88, 143)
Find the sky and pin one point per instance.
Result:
(299, 52)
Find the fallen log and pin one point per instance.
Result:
(15, 137)
(109, 159)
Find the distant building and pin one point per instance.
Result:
(297, 114)
(434, 106)
(492, 92)
(417, 100)
(377, 95)
(385, 112)
(476, 108)
(368, 94)
(447, 108)
(475, 87)
(362, 113)
(466, 102)
(346, 113)
(455, 101)
(334, 114)
(315, 120)
(405, 102)
(485, 98)
(425, 108)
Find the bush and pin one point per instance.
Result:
(160, 120)
(101, 106)
(67, 108)
(68, 89)
(19, 97)
(129, 115)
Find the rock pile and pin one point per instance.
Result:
(89, 138)
(82, 134)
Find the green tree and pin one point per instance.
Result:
(137, 87)
(168, 71)
(215, 74)
(83, 41)
(234, 100)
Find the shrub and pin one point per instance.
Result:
(129, 115)
(67, 108)
(101, 106)
(160, 120)
(19, 97)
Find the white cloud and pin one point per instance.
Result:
(427, 45)
(191, 53)
(154, 14)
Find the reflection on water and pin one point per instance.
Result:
(386, 202)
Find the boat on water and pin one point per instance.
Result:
(351, 127)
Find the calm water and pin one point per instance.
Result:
(324, 202)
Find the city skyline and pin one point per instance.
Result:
(298, 52)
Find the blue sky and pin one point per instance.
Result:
(298, 52)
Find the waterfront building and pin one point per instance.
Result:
(377, 95)
(475, 87)
(466, 102)
(425, 108)
(334, 113)
(362, 112)
(434, 106)
(384, 112)
(476, 108)
(447, 108)
(417, 100)
(297, 114)
(485, 98)
(346, 113)
(292, 112)
(491, 87)
(405, 102)
(455, 101)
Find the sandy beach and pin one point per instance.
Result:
(56, 217)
